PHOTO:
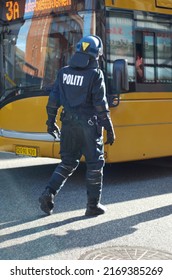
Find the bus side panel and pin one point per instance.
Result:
(143, 130)
(27, 115)
(146, 5)
(140, 142)
(24, 116)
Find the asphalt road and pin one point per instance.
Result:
(138, 196)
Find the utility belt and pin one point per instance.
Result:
(74, 117)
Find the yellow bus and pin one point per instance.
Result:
(37, 37)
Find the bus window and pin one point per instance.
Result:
(34, 50)
(164, 58)
(153, 40)
(60, 45)
(120, 42)
(149, 57)
(14, 57)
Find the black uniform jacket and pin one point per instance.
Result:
(80, 90)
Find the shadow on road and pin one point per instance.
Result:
(21, 187)
(53, 244)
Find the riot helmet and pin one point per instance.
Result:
(92, 45)
(89, 47)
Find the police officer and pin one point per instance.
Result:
(80, 90)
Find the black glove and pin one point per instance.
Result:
(105, 121)
(53, 129)
(110, 137)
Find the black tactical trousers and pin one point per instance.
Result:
(80, 136)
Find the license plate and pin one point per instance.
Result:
(26, 151)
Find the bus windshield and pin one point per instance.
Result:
(34, 50)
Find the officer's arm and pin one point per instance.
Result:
(99, 99)
(102, 108)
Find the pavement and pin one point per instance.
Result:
(138, 223)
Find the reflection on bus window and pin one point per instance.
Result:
(144, 40)
(120, 42)
(149, 57)
(36, 49)
(164, 58)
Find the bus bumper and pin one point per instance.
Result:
(29, 144)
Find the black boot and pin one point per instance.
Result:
(47, 201)
(94, 208)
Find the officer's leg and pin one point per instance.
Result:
(94, 154)
(94, 189)
(56, 182)
(68, 165)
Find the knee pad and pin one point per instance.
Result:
(94, 177)
(60, 175)
(65, 170)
